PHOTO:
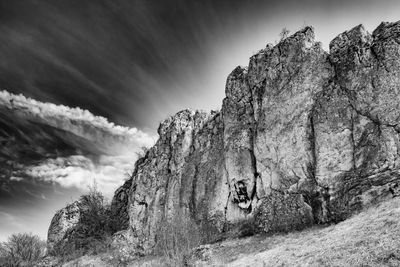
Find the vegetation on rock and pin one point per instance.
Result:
(92, 231)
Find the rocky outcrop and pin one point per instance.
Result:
(178, 176)
(61, 225)
(119, 212)
(364, 118)
(303, 136)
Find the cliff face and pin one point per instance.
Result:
(303, 136)
(251, 162)
(179, 176)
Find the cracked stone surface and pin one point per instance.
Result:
(304, 136)
(63, 221)
(119, 203)
(285, 81)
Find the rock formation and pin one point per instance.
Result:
(303, 136)
(61, 225)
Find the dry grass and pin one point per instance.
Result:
(371, 238)
(176, 239)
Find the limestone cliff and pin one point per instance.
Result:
(304, 136)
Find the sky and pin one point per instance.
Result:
(51, 154)
(135, 62)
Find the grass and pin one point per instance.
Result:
(370, 238)
(176, 239)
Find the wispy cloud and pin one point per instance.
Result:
(77, 121)
(103, 152)
(108, 172)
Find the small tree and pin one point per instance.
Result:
(92, 233)
(22, 249)
(94, 224)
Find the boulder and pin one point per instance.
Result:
(61, 225)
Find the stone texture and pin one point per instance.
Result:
(303, 136)
(239, 165)
(177, 176)
(367, 74)
(285, 81)
(283, 212)
(63, 221)
(119, 212)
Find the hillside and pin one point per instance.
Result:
(369, 238)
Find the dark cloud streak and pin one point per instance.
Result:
(135, 61)
(106, 55)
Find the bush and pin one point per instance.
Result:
(94, 223)
(92, 233)
(21, 249)
(176, 238)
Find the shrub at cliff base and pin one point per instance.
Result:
(176, 238)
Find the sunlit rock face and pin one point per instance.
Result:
(179, 176)
(62, 225)
(303, 136)
(357, 121)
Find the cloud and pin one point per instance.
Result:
(79, 122)
(81, 172)
(102, 152)
(15, 178)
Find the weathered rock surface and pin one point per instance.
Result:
(118, 207)
(62, 223)
(303, 136)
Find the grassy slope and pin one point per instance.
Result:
(370, 238)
